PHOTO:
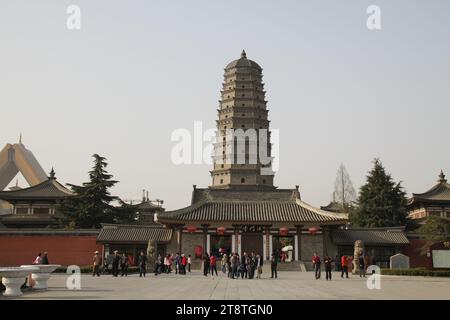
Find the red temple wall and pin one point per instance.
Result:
(65, 250)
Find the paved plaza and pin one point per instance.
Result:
(289, 285)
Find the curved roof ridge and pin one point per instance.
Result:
(320, 211)
(436, 188)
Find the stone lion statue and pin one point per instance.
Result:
(357, 252)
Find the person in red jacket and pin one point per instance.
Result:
(183, 264)
(316, 264)
(344, 264)
(213, 265)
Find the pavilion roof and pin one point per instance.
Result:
(250, 206)
(438, 193)
(49, 189)
(376, 236)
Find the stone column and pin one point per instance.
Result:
(270, 246)
(179, 238)
(324, 239)
(233, 243)
(267, 252)
(236, 240)
(299, 242)
(205, 236)
(240, 245)
(208, 243)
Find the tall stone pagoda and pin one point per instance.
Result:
(242, 106)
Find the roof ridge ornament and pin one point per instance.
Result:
(243, 54)
(442, 177)
(52, 174)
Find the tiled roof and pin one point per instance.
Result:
(243, 62)
(438, 193)
(370, 237)
(133, 233)
(269, 206)
(333, 206)
(49, 189)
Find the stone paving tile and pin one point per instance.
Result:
(289, 285)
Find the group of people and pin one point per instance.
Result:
(118, 262)
(343, 263)
(248, 266)
(178, 262)
(235, 266)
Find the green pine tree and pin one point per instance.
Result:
(381, 201)
(92, 204)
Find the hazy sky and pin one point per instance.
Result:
(137, 70)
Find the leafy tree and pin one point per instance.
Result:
(435, 229)
(91, 205)
(381, 201)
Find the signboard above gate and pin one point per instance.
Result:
(251, 228)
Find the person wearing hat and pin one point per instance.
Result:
(115, 263)
(97, 262)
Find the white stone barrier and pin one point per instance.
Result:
(14, 277)
(42, 275)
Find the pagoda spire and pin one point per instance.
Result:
(52, 174)
(243, 54)
(20, 138)
(442, 177)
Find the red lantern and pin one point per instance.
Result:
(191, 229)
(284, 231)
(313, 230)
(221, 231)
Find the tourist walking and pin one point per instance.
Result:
(189, 261)
(273, 266)
(316, 264)
(115, 263)
(328, 261)
(157, 265)
(224, 263)
(251, 265)
(362, 267)
(206, 264)
(238, 263)
(38, 259)
(337, 265)
(213, 265)
(233, 266)
(183, 263)
(243, 266)
(177, 263)
(105, 266)
(142, 263)
(259, 265)
(344, 266)
(45, 258)
(124, 265)
(97, 260)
